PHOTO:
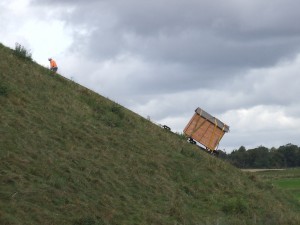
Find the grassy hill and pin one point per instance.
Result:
(71, 156)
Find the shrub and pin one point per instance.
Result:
(22, 52)
(235, 206)
(117, 109)
(3, 90)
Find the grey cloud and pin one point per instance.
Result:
(190, 32)
(192, 53)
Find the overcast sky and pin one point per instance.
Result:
(239, 60)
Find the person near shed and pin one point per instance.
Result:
(53, 65)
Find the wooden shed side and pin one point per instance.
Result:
(205, 130)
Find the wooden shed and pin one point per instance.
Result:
(205, 129)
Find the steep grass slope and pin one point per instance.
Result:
(71, 156)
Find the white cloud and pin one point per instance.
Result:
(269, 126)
(35, 29)
(47, 39)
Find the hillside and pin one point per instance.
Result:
(71, 156)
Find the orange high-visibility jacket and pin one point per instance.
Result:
(53, 63)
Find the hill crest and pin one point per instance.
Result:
(71, 156)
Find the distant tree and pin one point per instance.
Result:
(242, 149)
(276, 159)
(259, 157)
(262, 157)
(290, 153)
(239, 157)
(222, 154)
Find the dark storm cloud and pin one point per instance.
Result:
(191, 32)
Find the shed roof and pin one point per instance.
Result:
(212, 119)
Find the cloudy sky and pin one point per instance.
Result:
(239, 60)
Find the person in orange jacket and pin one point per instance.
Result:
(53, 65)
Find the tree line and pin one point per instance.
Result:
(262, 157)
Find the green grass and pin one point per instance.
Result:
(291, 185)
(71, 156)
(287, 180)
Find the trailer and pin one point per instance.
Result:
(206, 130)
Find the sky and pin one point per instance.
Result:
(239, 60)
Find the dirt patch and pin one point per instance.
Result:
(259, 170)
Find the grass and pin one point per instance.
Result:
(22, 52)
(287, 180)
(71, 156)
(291, 185)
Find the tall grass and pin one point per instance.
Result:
(22, 52)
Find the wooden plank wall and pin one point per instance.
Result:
(204, 131)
